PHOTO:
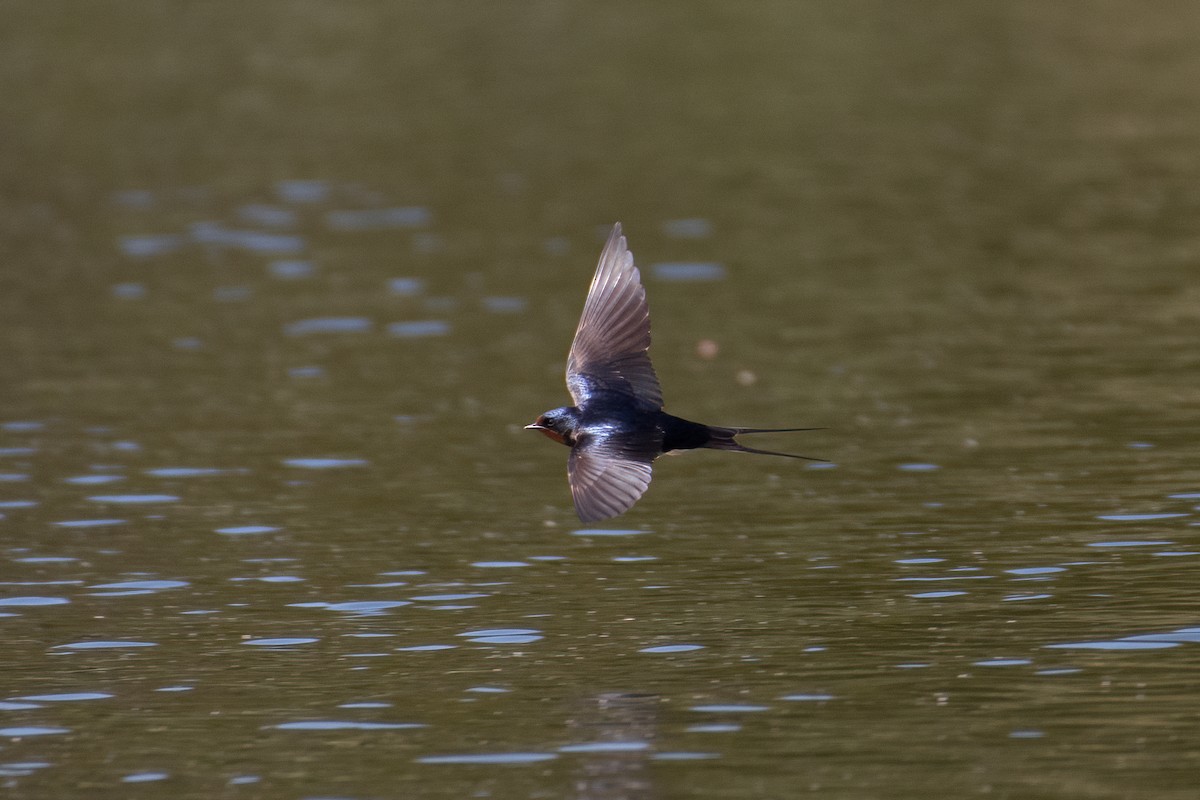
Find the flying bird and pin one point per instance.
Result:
(617, 426)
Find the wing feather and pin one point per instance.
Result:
(608, 475)
(609, 350)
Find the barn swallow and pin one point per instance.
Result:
(617, 426)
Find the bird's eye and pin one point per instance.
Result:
(548, 421)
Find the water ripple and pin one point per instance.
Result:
(730, 708)
(347, 725)
(67, 697)
(488, 758)
(134, 498)
(32, 730)
(33, 601)
(103, 645)
(688, 271)
(691, 228)
(183, 472)
(418, 329)
(1138, 517)
(145, 777)
(141, 585)
(672, 648)
(305, 327)
(1114, 644)
(93, 480)
(605, 747)
(379, 218)
(426, 648)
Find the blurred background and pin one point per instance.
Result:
(281, 281)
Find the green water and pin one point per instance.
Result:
(962, 237)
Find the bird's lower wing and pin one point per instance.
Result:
(605, 481)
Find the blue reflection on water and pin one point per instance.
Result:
(214, 234)
(291, 269)
(32, 730)
(693, 228)
(672, 648)
(134, 498)
(102, 645)
(145, 777)
(488, 758)
(412, 216)
(406, 287)
(379, 218)
(325, 463)
(418, 329)
(510, 639)
(505, 305)
(346, 725)
(183, 472)
(33, 601)
(92, 480)
(367, 605)
(1116, 644)
(729, 709)
(686, 271)
(149, 245)
(305, 327)
(683, 755)
(262, 214)
(141, 585)
(1139, 517)
(129, 291)
(1035, 570)
(605, 747)
(66, 697)
(426, 648)
(302, 191)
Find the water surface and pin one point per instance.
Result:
(281, 287)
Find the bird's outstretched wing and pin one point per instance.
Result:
(608, 354)
(609, 473)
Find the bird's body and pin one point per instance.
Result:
(617, 426)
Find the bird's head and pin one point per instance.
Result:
(558, 424)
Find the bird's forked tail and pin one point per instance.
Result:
(723, 439)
